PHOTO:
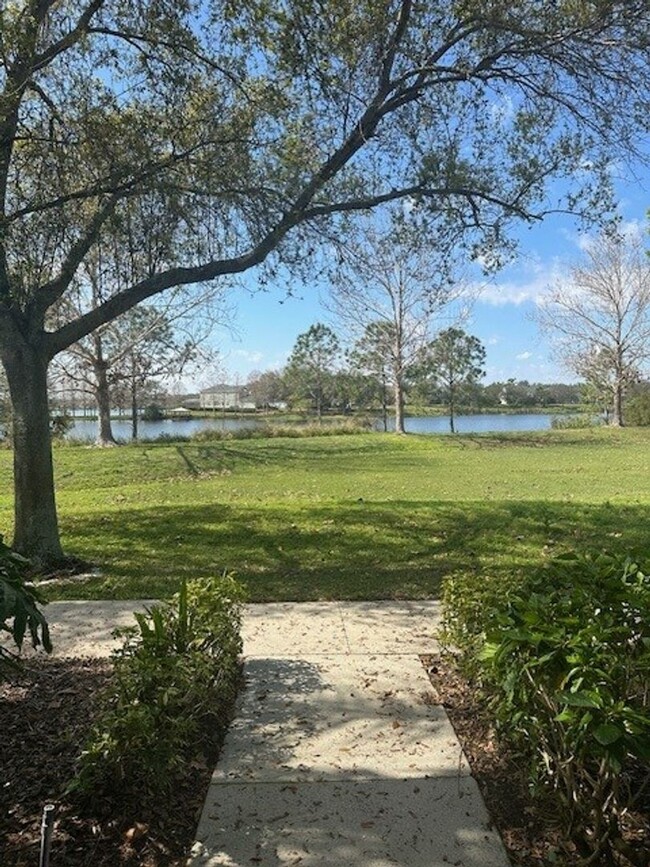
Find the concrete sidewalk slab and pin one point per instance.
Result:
(85, 628)
(283, 630)
(286, 629)
(331, 717)
(337, 754)
(435, 822)
(297, 629)
(388, 627)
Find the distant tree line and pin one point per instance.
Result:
(321, 376)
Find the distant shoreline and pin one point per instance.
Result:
(409, 412)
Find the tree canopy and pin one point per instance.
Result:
(312, 364)
(453, 361)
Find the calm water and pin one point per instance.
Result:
(488, 423)
(85, 429)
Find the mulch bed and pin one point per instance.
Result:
(530, 827)
(45, 716)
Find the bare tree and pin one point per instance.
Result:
(600, 317)
(370, 356)
(204, 139)
(390, 285)
(148, 342)
(267, 388)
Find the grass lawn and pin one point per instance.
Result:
(366, 516)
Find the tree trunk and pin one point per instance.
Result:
(36, 530)
(134, 409)
(617, 413)
(399, 406)
(102, 396)
(452, 411)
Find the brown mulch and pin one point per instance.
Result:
(530, 828)
(45, 715)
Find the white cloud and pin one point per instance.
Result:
(631, 229)
(500, 294)
(524, 356)
(532, 288)
(248, 355)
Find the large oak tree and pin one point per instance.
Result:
(212, 137)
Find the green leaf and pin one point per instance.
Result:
(580, 699)
(565, 716)
(608, 733)
(45, 636)
(488, 651)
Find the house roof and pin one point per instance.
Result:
(222, 389)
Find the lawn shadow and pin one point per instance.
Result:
(347, 550)
(228, 455)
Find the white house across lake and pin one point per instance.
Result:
(226, 397)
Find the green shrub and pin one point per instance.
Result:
(470, 606)
(578, 421)
(152, 412)
(567, 665)
(19, 611)
(351, 426)
(212, 434)
(637, 410)
(175, 677)
(165, 437)
(290, 431)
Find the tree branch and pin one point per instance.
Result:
(123, 301)
(46, 57)
(49, 293)
(118, 187)
(364, 204)
(393, 44)
(135, 38)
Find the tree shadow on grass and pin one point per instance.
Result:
(307, 453)
(279, 450)
(347, 550)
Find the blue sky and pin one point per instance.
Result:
(266, 323)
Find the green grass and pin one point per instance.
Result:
(368, 516)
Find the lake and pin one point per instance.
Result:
(86, 429)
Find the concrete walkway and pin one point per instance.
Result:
(337, 754)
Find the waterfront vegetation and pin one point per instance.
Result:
(367, 516)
